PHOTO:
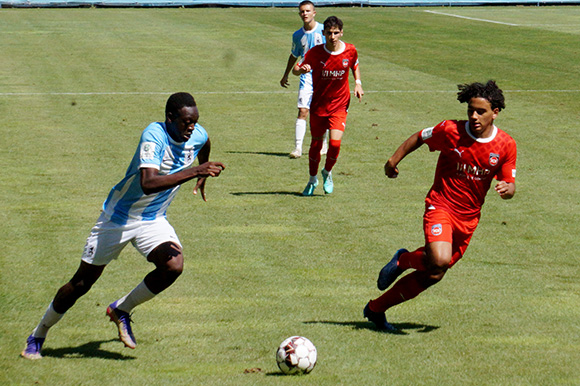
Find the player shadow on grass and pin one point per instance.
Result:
(363, 325)
(87, 350)
(273, 154)
(281, 193)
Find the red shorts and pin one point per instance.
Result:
(319, 124)
(440, 225)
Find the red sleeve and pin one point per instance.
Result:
(507, 172)
(435, 136)
(354, 61)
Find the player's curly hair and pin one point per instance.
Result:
(489, 91)
(332, 21)
(177, 101)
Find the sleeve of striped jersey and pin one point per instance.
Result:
(151, 148)
(296, 46)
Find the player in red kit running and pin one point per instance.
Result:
(472, 154)
(330, 64)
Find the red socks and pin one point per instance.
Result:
(314, 156)
(404, 289)
(332, 155)
(412, 260)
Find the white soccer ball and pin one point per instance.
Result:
(296, 355)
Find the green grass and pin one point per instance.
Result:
(263, 263)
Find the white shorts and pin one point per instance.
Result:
(107, 239)
(305, 93)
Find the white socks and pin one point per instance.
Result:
(50, 318)
(300, 132)
(138, 295)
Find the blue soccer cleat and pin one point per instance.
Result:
(123, 321)
(33, 347)
(309, 189)
(327, 183)
(379, 319)
(391, 271)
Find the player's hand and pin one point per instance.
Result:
(284, 82)
(358, 92)
(305, 68)
(201, 187)
(505, 190)
(391, 170)
(210, 169)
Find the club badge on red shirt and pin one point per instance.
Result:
(493, 159)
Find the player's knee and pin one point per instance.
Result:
(174, 267)
(80, 286)
(316, 144)
(334, 143)
(437, 261)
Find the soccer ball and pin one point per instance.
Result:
(296, 355)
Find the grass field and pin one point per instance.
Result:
(77, 86)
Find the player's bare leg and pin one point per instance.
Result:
(168, 261)
(81, 282)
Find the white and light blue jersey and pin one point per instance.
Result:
(302, 41)
(126, 201)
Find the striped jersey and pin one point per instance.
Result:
(126, 201)
(302, 41)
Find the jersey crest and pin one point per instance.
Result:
(493, 159)
(148, 150)
(436, 230)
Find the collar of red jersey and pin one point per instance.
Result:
(340, 51)
(481, 140)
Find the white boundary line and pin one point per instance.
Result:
(472, 18)
(7, 94)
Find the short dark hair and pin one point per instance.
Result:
(489, 91)
(177, 101)
(305, 2)
(332, 21)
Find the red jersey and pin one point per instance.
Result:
(331, 92)
(467, 165)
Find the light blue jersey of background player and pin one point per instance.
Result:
(304, 39)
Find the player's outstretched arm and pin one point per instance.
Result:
(411, 144)
(506, 190)
(153, 182)
(284, 81)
